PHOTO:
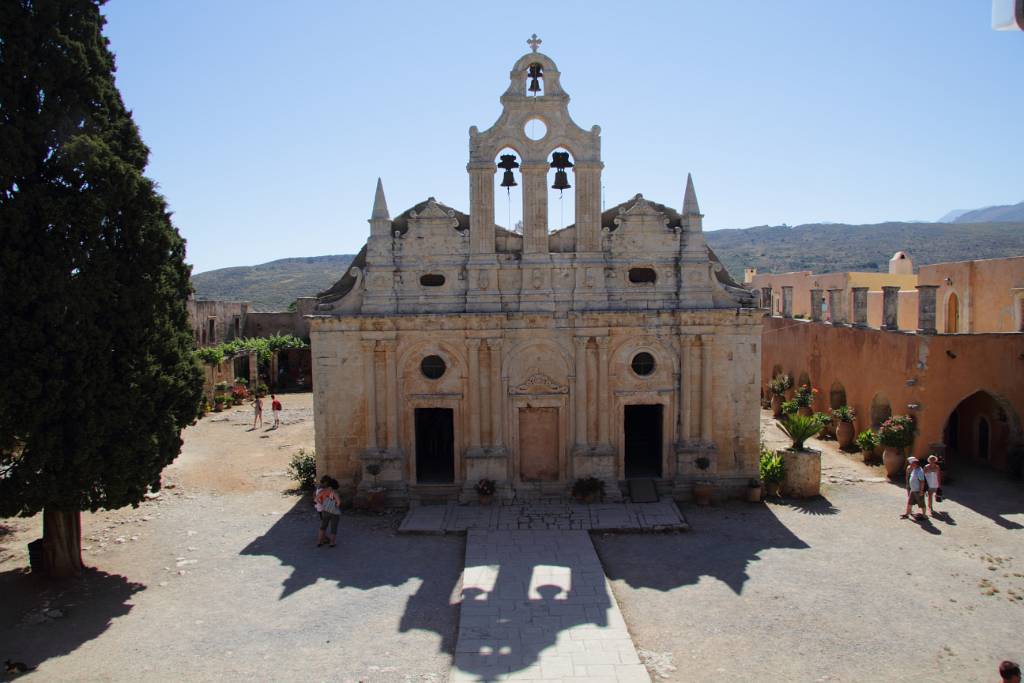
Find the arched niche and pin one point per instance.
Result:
(561, 203)
(410, 375)
(836, 395)
(881, 410)
(508, 201)
(952, 325)
(984, 428)
(804, 380)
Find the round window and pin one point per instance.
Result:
(433, 367)
(535, 129)
(643, 363)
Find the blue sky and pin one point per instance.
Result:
(270, 122)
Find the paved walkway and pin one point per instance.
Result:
(536, 607)
(554, 516)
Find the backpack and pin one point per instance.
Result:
(330, 506)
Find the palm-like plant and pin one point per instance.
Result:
(799, 428)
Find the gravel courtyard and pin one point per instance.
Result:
(218, 578)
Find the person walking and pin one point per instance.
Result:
(257, 408)
(933, 476)
(275, 406)
(330, 514)
(915, 487)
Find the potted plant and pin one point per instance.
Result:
(868, 442)
(788, 408)
(237, 395)
(485, 489)
(221, 387)
(896, 434)
(261, 389)
(779, 386)
(588, 490)
(703, 490)
(754, 491)
(802, 465)
(843, 416)
(772, 470)
(805, 399)
(376, 495)
(825, 425)
(218, 403)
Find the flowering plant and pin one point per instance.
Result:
(485, 487)
(780, 385)
(844, 414)
(805, 396)
(897, 431)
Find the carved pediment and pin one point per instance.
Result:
(434, 211)
(643, 209)
(539, 383)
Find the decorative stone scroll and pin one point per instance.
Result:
(539, 383)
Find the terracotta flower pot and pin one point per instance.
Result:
(805, 411)
(754, 494)
(776, 406)
(485, 499)
(844, 434)
(893, 460)
(376, 499)
(702, 493)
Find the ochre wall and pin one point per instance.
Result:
(908, 369)
(989, 292)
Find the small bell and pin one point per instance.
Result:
(535, 73)
(561, 181)
(508, 162)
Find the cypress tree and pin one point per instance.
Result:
(96, 366)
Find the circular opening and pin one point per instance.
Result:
(535, 129)
(433, 367)
(643, 363)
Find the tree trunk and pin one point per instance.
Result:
(62, 543)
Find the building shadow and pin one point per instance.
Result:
(990, 493)
(369, 555)
(722, 545)
(41, 619)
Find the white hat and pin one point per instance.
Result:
(911, 459)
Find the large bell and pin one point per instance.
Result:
(561, 181)
(534, 74)
(508, 180)
(508, 162)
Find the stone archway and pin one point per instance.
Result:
(983, 429)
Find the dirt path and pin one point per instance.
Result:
(218, 578)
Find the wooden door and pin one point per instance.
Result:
(538, 444)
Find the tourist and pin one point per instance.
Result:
(330, 513)
(275, 406)
(1010, 672)
(916, 483)
(933, 476)
(324, 483)
(257, 408)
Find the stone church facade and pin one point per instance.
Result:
(456, 349)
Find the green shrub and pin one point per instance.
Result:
(302, 469)
(771, 467)
(799, 428)
(844, 414)
(789, 407)
(780, 384)
(867, 441)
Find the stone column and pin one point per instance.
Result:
(860, 306)
(787, 302)
(391, 364)
(473, 393)
(581, 390)
(370, 380)
(816, 300)
(926, 309)
(836, 311)
(603, 406)
(766, 299)
(497, 407)
(706, 388)
(685, 389)
(481, 202)
(890, 308)
(535, 207)
(588, 205)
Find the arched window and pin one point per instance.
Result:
(836, 396)
(508, 191)
(953, 314)
(562, 193)
(881, 410)
(535, 80)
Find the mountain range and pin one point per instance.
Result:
(818, 247)
(989, 214)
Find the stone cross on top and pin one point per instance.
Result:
(534, 42)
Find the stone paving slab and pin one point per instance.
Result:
(536, 606)
(561, 516)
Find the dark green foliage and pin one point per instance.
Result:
(799, 428)
(263, 346)
(98, 373)
(302, 469)
(272, 286)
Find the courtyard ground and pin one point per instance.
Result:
(218, 579)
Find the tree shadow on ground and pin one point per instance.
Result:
(817, 506)
(723, 543)
(87, 604)
(369, 555)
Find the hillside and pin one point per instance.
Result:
(272, 286)
(837, 246)
(991, 214)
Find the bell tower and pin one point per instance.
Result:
(534, 123)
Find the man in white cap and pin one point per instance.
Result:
(915, 487)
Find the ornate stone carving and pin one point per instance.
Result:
(539, 383)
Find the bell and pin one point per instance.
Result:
(561, 181)
(508, 162)
(535, 73)
(560, 160)
(508, 180)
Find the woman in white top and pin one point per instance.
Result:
(933, 475)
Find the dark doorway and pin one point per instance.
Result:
(951, 435)
(435, 446)
(642, 426)
(983, 438)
